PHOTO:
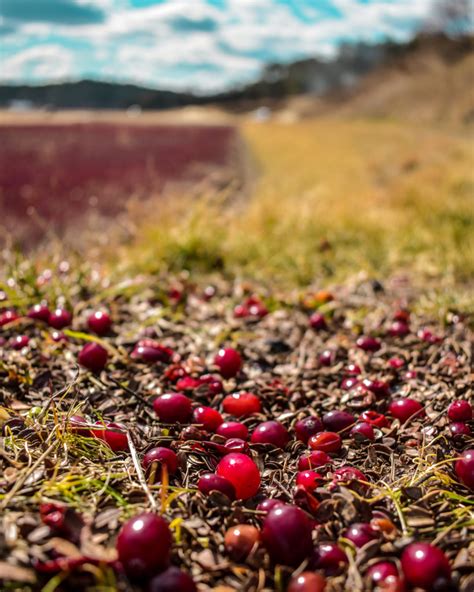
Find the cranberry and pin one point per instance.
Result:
(228, 361)
(271, 432)
(75, 425)
(240, 540)
(327, 357)
(338, 421)
(161, 456)
(330, 558)
(460, 411)
(307, 582)
(423, 564)
(213, 383)
(313, 460)
(349, 382)
(148, 350)
(326, 442)
(7, 317)
(209, 418)
(113, 434)
(143, 545)
(172, 580)
(242, 472)
(346, 475)
(429, 336)
(317, 321)
(93, 357)
(241, 404)
(458, 428)
(360, 534)
(396, 363)
(233, 429)
(19, 342)
(99, 322)
(363, 431)
(401, 315)
(209, 292)
(380, 571)
(310, 480)
(399, 329)
(172, 408)
(378, 387)
(376, 419)
(286, 534)
(464, 468)
(307, 427)
(268, 504)
(404, 409)
(236, 445)
(353, 370)
(368, 344)
(60, 318)
(39, 312)
(57, 336)
(210, 482)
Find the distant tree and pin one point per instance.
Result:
(453, 17)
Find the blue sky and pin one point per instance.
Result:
(203, 45)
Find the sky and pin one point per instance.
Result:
(199, 45)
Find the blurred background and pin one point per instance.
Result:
(280, 139)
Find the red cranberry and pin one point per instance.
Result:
(378, 387)
(209, 292)
(161, 456)
(380, 571)
(401, 315)
(241, 404)
(347, 475)
(327, 357)
(233, 429)
(209, 418)
(236, 445)
(256, 307)
(313, 460)
(317, 321)
(99, 322)
(76, 423)
(172, 408)
(368, 344)
(268, 504)
(396, 363)
(353, 370)
(423, 564)
(148, 350)
(113, 434)
(330, 558)
(363, 431)
(307, 427)
(242, 472)
(57, 336)
(210, 482)
(458, 428)
(326, 442)
(376, 419)
(429, 336)
(8, 316)
(460, 411)
(464, 468)
(338, 421)
(143, 545)
(286, 534)
(310, 480)
(228, 361)
(411, 375)
(93, 357)
(214, 384)
(360, 534)
(172, 580)
(39, 312)
(307, 582)
(19, 342)
(404, 409)
(349, 382)
(60, 318)
(271, 432)
(239, 541)
(399, 329)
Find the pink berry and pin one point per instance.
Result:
(307, 427)
(173, 408)
(39, 312)
(396, 363)
(360, 534)
(404, 409)
(113, 434)
(310, 480)
(242, 472)
(93, 357)
(228, 361)
(460, 411)
(209, 418)
(211, 482)
(464, 468)
(99, 322)
(233, 429)
(161, 456)
(286, 534)
(241, 404)
(423, 564)
(271, 432)
(172, 580)
(60, 318)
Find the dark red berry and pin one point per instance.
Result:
(76, 424)
(317, 321)
(228, 361)
(360, 534)
(464, 468)
(458, 428)
(173, 408)
(271, 432)
(376, 419)
(57, 336)
(8, 316)
(60, 318)
(338, 421)
(148, 350)
(19, 342)
(310, 480)
(423, 564)
(326, 442)
(99, 322)
(378, 387)
(39, 312)
(113, 434)
(349, 382)
(93, 357)
(286, 534)
(143, 545)
(242, 472)
(160, 456)
(313, 460)
(239, 541)
(327, 357)
(307, 427)
(172, 580)
(404, 409)
(401, 315)
(429, 336)
(211, 482)
(380, 571)
(330, 558)
(399, 329)
(460, 411)
(233, 429)
(368, 344)
(396, 363)
(268, 504)
(241, 404)
(209, 418)
(363, 432)
(307, 582)
(349, 475)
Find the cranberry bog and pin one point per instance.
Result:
(52, 174)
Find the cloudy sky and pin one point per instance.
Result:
(204, 45)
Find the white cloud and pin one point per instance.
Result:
(45, 62)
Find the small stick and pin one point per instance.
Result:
(141, 476)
